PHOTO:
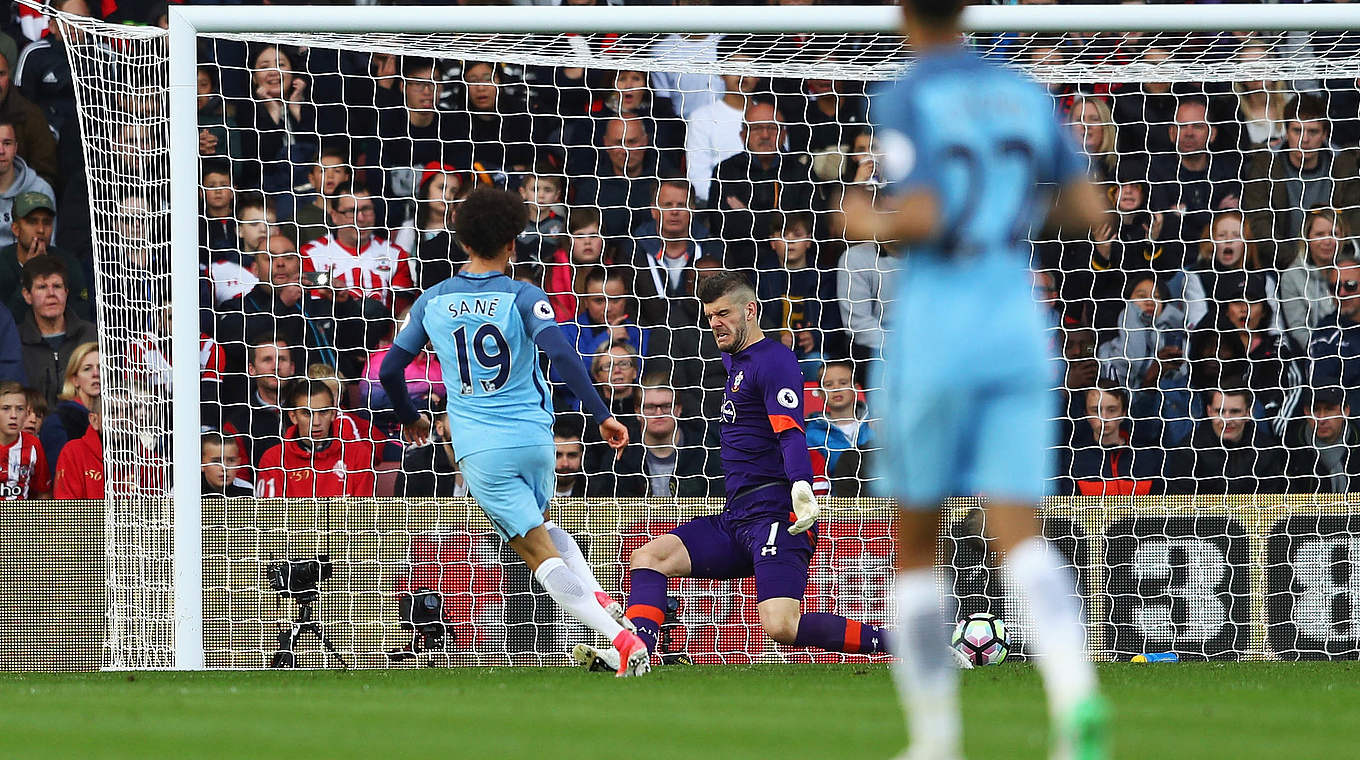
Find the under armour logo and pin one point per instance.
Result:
(769, 551)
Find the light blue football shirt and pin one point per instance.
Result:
(482, 327)
(985, 141)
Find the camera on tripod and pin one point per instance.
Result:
(299, 577)
(422, 613)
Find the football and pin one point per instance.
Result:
(981, 637)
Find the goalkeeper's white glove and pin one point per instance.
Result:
(804, 507)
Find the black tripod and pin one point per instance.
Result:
(286, 656)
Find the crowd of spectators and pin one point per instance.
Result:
(1210, 328)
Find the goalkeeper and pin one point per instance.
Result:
(769, 526)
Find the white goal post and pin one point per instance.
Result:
(374, 28)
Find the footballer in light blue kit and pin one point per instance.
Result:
(487, 330)
(974, 159)
(767, 529)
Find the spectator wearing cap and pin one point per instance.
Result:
(1335, 348)
(1323, 445)
(52, 330)
(33, 214)
(1302, 173)
(16, 178)
(760, 179)
(36, 144)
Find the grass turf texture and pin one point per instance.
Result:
(1239, 711)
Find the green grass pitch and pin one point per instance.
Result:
(1238, 711)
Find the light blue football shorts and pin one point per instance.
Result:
(965, 394)
(512, 486)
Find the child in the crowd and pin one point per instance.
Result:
(542, 239)
(792, 290)
(37, 410)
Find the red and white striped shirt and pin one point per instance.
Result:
(23, 469)
(376, 270)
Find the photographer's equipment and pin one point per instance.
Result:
(422, 613)
(665, 649)
(297, 579)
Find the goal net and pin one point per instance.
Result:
(1206, 446)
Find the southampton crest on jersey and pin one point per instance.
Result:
(736, 381)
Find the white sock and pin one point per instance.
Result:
(926, 681)
(569, 591)
(1059, 637)
(571, 554)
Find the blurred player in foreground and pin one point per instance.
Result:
(488, 328)
(972, 154)
(768, 528)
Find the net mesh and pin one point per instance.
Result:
(1209, 277)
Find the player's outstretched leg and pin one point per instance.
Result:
(1038, 577)
(572, 595)
(570, 552)
(926, 679)
(650, 567)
